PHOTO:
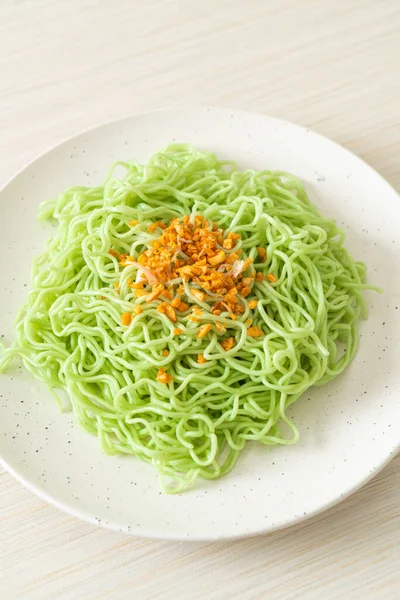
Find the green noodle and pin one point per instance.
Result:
(70, 336)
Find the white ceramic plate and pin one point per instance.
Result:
(349, 429)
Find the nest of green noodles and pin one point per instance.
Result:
(69, 333)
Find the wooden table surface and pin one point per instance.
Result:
(329, 65)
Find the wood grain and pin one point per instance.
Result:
(332, 66)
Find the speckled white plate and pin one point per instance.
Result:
(349, 429)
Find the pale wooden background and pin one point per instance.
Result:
(331, 65)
